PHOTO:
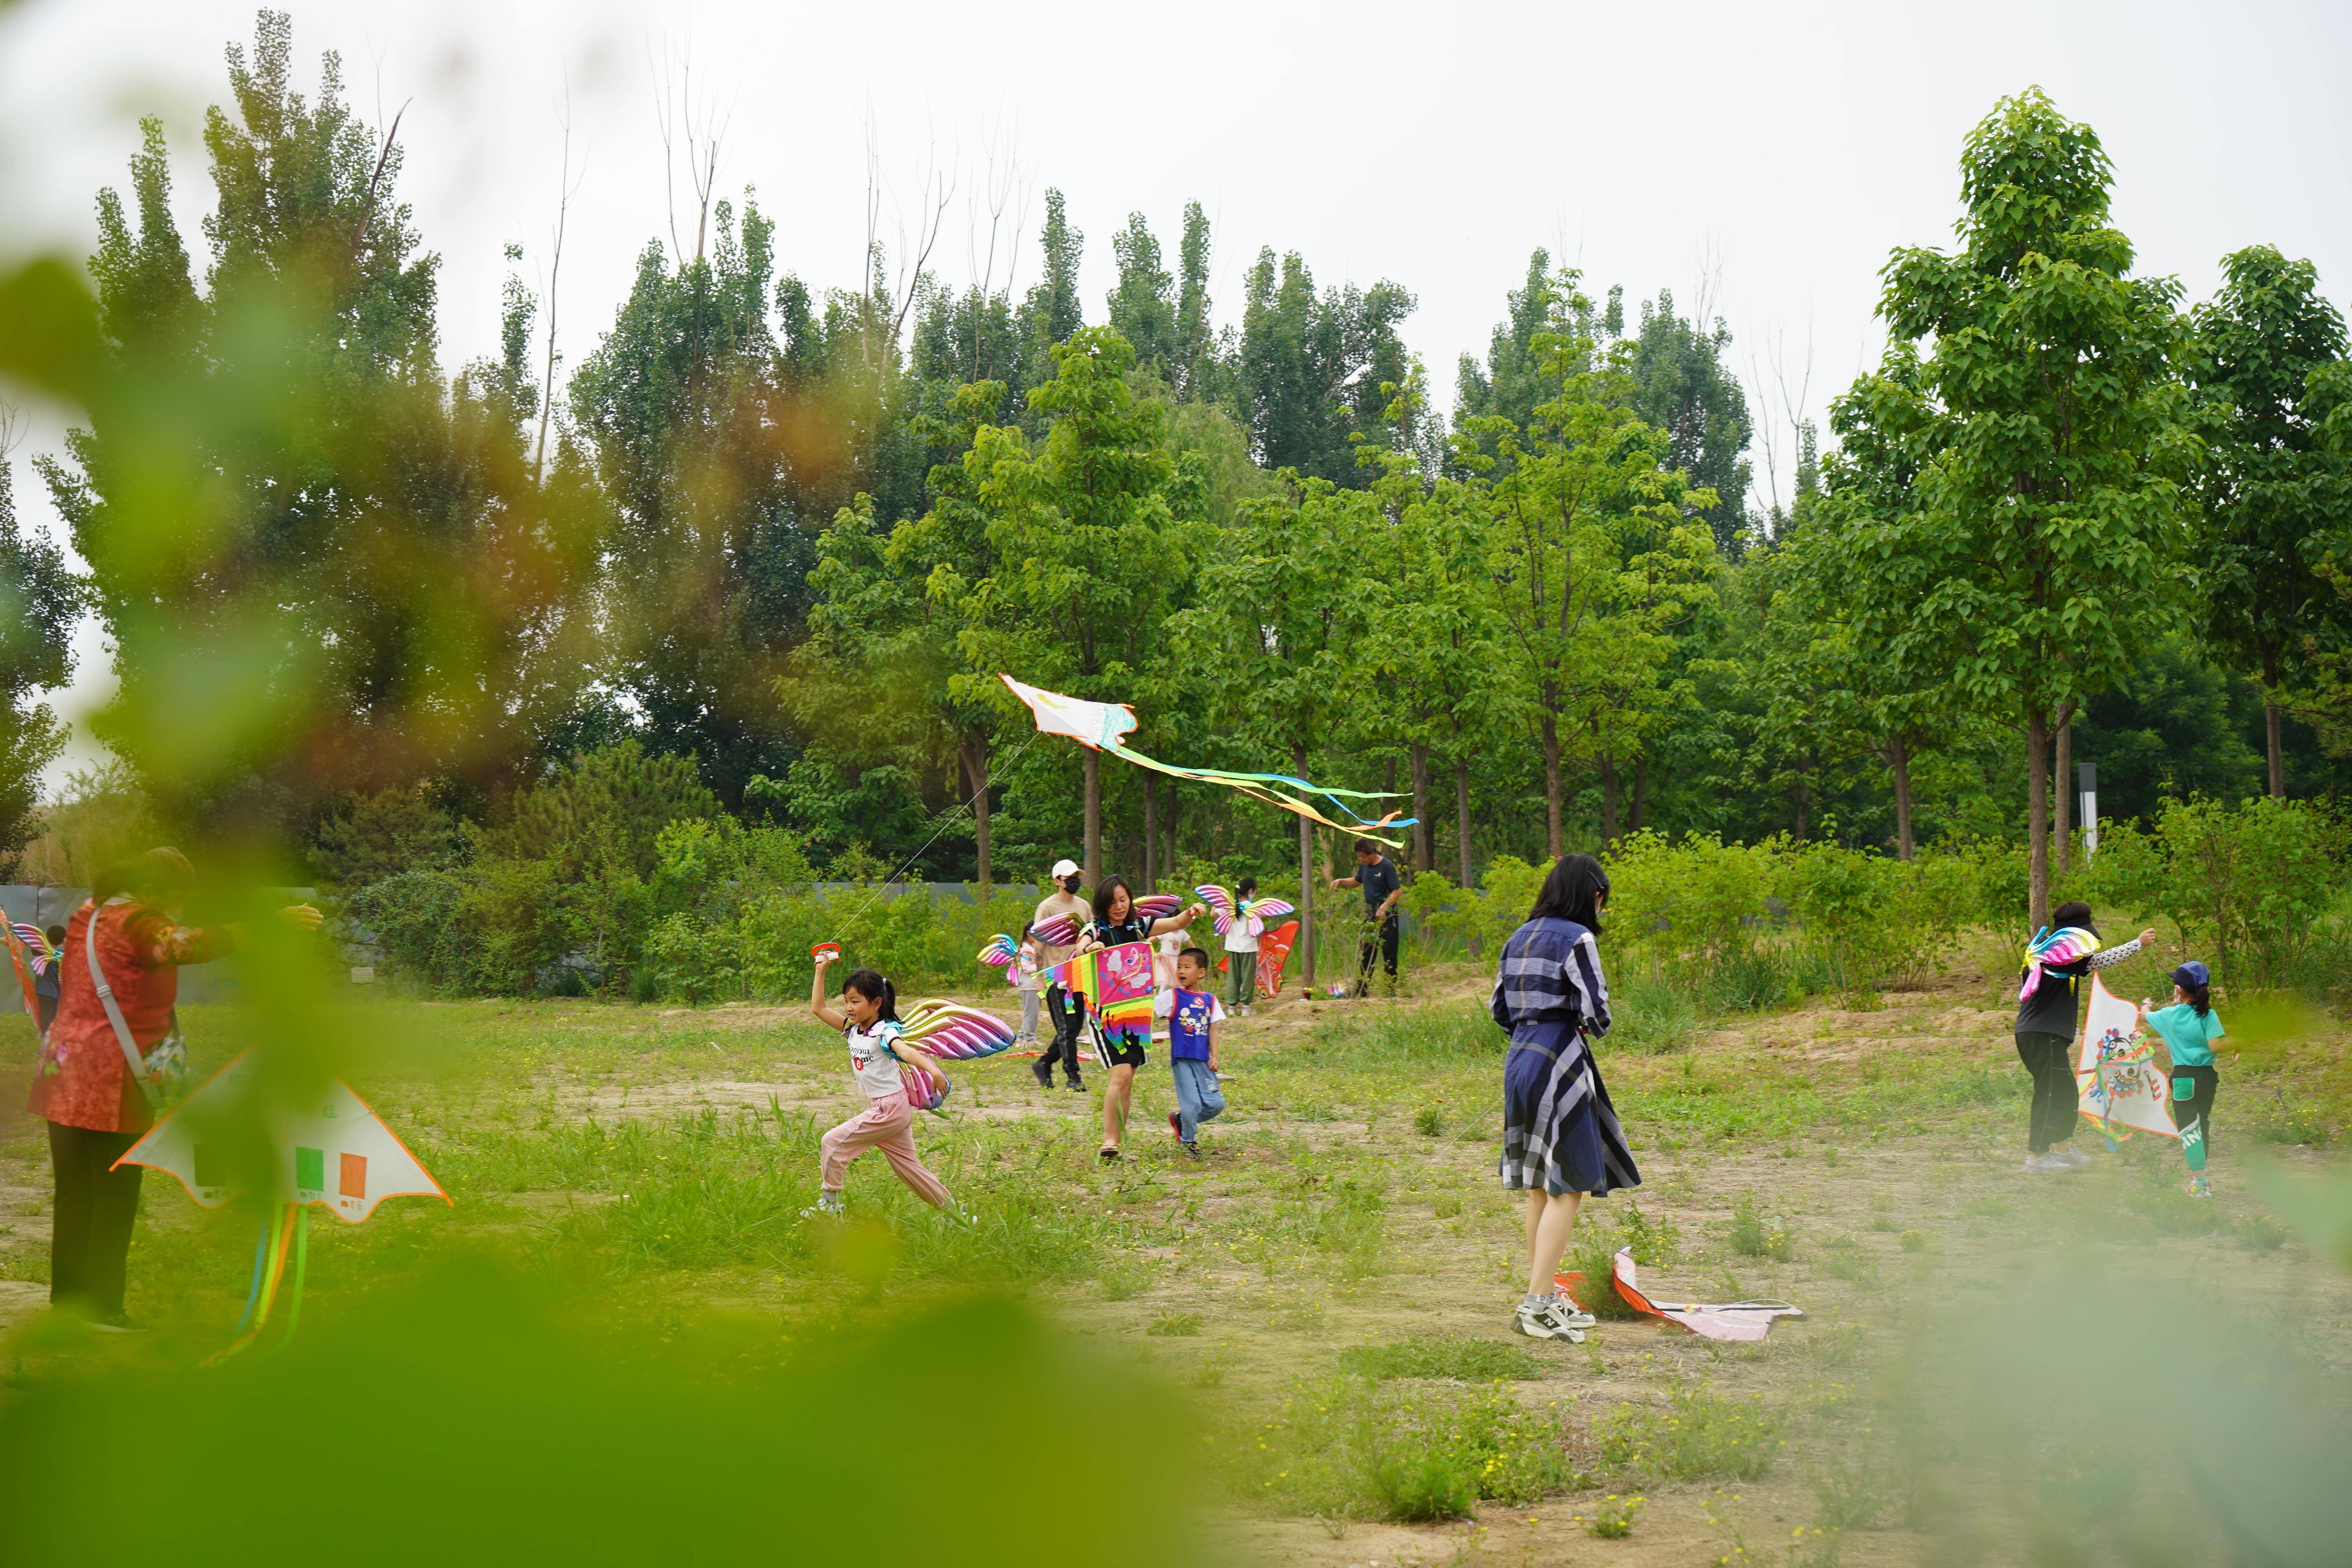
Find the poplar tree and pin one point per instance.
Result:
(2055, 506)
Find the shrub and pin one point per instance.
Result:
(1754, 1235)
(1429, 1122)
(1697, 1434)
(2250, 882)
(1613, 1517)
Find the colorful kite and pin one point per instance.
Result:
(2057, 949)
(1102, 724)
(1272, 950)
(334, 1152)
(23, 962)
(2119, 1084)
(36, 946)
(1005, 953)
(1114, 983)
(1251, 914)
(1737, 1320)
(952, 1030)
(1062, 931)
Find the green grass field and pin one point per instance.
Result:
(1328, 1294)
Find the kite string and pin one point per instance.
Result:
(957, 811)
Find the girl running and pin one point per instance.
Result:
(1115, 923)
(2189, 1026)
(868, 1021)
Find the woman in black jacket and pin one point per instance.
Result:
(2049, 1017)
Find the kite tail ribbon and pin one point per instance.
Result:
(2054, 948)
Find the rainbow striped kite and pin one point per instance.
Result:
(1116, 984)
(2055, 950)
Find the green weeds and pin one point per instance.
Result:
(1460, 1357)
(1696, 1435)
(1346, 1447)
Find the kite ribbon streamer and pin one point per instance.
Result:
(1102, 724)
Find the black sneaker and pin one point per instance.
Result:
(1192, 1151)
(1176, 1128)
(1042, 1072)
(1077, 1088)
(117, 1323)
(1109, 1156)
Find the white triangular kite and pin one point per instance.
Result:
(2115, 1072)
(333, 1153)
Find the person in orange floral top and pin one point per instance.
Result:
(84, 1090)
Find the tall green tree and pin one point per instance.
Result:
(1078, 534)
(1682, 387)
(1594, 560)
(2269, 503)
(1143, 305)
(1317, 372)
(2054, 505)
(321, 567)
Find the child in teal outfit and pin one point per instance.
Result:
(2188, 1028)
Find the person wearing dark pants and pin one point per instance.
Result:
(2049, 1015)
(2188, 1028)
(1062, 904)
(1376, 874)
(89, 1235)
(1067, 1019)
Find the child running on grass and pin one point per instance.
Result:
(2188, 1028)
(868, 1021)
(1193, 1013)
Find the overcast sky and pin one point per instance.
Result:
(1765, 156)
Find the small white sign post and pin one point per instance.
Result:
(2088, 773)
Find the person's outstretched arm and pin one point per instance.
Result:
(824, 1014)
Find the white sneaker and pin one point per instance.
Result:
(2048, 1165)
(1538, 1323)
(2074, 1157)
(1568, 1315)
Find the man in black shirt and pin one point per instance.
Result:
(1377, 875)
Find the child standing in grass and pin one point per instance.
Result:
(2188, 1028)
(1241, 949)
(868, 1021)
(1024, 980)
(1193, 1013)
(2049, 1017)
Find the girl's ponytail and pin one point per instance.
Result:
(2199, 998)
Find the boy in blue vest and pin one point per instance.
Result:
(1193, 1013)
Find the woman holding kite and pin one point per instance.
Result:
(1560, 1137)
(1119, 921)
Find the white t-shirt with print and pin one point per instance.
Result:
(870, 1061)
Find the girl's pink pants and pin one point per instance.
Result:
(888, 1124)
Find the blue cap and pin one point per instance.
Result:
(2192, 975)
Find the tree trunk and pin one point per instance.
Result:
(1306, 881)
(2062, 812)
(1801, 802)
(1641, 789)
(1461, 814)
(2037, 817)
(1899, 762)
(2271, 733)
(1151, 833)
(1610, 788)
(1094, 817)
(975, 773)
(1553, 843)
(1424, 841)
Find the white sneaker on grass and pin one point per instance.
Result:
(1568, 1315)
(1538, 1323)
(2074, 1157)
(2049, 1164)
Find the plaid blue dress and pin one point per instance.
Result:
(1560, 1132)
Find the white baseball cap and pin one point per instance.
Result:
(1064, 868)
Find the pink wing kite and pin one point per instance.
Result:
(1158, 907)
(1062, 931)
(1252, 913)
(953, 1031)
(1004, 953)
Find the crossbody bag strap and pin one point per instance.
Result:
(131, 1056)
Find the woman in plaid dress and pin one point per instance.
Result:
(1560, 1137)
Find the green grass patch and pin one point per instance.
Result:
(1696, 1435)
(1461, 1357)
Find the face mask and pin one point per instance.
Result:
(1069, 884)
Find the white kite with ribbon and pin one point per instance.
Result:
(2118, 1083)
(1737, 1320)
(332, 1151)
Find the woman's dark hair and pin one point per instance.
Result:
(150, 877)
(1573, 892)
(1112, 886)
(1026, 926)
(1246, 887)
(2074, 912)
(871, 984)
(2200, 998)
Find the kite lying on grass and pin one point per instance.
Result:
(1101, 725)
(330, 1150)
(1744, 1320)
(2115, 1074)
